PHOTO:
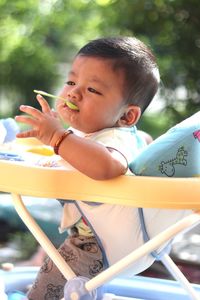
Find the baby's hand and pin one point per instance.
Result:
(44, 123)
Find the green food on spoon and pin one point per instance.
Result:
(68, 103)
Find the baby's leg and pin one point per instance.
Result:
(84, 257)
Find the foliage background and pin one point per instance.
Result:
(38, 38)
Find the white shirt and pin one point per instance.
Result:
(117, 226)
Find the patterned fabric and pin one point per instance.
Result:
(84, 257)
(175, 154)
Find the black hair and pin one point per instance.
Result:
(136, 60)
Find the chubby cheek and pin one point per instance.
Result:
(64, 91)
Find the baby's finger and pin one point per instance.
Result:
(26, 134)
(31, 111)
(44, 104)
(27, 120)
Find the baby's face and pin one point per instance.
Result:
(97, 90)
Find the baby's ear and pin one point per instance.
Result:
(130, 116)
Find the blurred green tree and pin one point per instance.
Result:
(35, 37)
(25, 61)
(171, 28)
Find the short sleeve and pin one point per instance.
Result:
(125, 140)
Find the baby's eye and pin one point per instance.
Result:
(93, 91)
(70, 83)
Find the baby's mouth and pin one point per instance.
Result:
(71, 105)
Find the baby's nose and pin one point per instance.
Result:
(75, 93)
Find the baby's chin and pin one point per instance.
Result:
(72, 120)
(69, 120)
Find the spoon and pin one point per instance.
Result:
(68, 103)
